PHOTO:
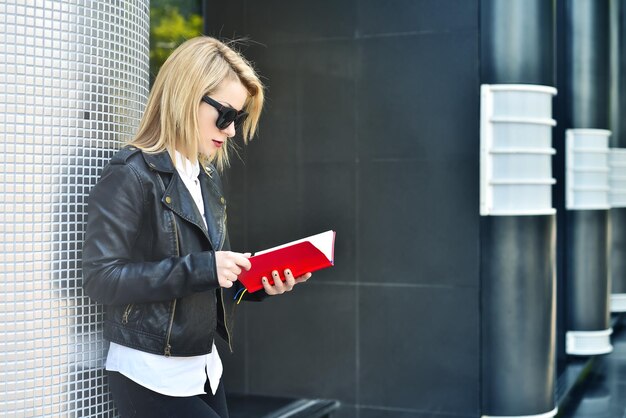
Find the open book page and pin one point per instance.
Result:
(324, 242)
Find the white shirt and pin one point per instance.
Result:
(172, 376)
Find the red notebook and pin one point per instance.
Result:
(302, 256)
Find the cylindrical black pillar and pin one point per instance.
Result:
(617, 124)
(519, 316)
(518, 279)
(617, 258)
(587, 63)
(586, 254)
(617, 78)
(588, 234)
(517, 41)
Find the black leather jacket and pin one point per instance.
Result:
(149, 257)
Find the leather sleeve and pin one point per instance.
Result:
(232, 292)
(116, 213)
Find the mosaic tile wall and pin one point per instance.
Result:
(73, 84)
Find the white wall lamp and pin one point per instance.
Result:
(617, 199)
(617, 177)
(587, 169)
(516, 150)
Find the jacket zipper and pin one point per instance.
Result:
(168, 347)
(222, 290)
(223, 230)
(226, 322)
(129, 308)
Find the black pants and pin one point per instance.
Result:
(135, 401)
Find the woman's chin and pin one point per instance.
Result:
(208, 153)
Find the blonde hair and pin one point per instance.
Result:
(195, 69)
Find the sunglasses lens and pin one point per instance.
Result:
(240, 119)
(230, 116)
(226, 118)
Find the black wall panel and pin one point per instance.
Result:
(371, 129)
(424, 105)
(405, 364)
(407, 233)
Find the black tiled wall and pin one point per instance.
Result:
(371, 129)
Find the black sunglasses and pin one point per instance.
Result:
(227, 115)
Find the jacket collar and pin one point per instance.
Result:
(214, 204)
(178, 199)
(160, 162)
(163, 162)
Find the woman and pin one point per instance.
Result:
(156, 248)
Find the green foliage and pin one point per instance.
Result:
(168, 29)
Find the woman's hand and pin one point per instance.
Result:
(229, 265)
(279, 287)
